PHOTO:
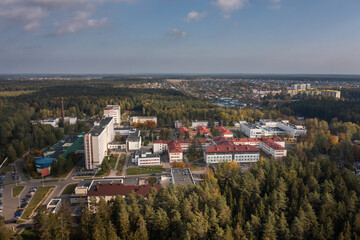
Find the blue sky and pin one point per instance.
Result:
(180, 36)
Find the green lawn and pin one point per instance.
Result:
(36, 200)
(17, 190)
(113, 161)
(144, 170)
(69, 188)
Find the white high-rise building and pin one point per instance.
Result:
(114, 112)
(96, 142)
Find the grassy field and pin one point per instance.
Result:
(6, 168)
(69, 188)
(17, 190)
(113, 161)
(36, 200)
(14, 93)
(144, 170)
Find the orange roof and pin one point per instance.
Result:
(224, 131)
(182, 130)
(174, 147)
(203, 130)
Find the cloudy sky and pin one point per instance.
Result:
(180, 36)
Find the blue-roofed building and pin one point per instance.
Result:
(43, 165)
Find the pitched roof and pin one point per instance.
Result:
(273, 145)
(230, 149)
(174, 147)
(224, 131)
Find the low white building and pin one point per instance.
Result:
(70, 120)
(142, 119)
(51, 121)
(195, 124)
(54, 205)
(145, 158)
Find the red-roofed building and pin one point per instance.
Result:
(225, 132)
(176, 148)
(274, 149)
(175, 152)
(202, 130)
(228, 153)
(183, 130)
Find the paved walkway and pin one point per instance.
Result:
(114, 171)
(127, 160)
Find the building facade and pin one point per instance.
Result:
(114, 112)
(228, 153)
(96, 142)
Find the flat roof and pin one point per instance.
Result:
(182, 176)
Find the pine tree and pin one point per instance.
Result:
(269, 228)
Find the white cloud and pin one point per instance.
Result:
(32, 25)
(195, 16)
(231, 5)
(30, 14)
(75, 26)
(177, 33)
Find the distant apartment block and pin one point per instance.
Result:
(113, 111)
(142, 119)
(96, 142)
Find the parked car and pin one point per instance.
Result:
(18, 213)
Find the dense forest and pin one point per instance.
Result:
(324, 108)
(304, 196)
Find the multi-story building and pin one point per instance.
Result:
(142, 158)
(175, 152)
(96, 141)
(133, 141)
(268, 127)
(274, 149)
(114, 112)
(228, 153)
(251, 130)
(273, 146)
(142, 119)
